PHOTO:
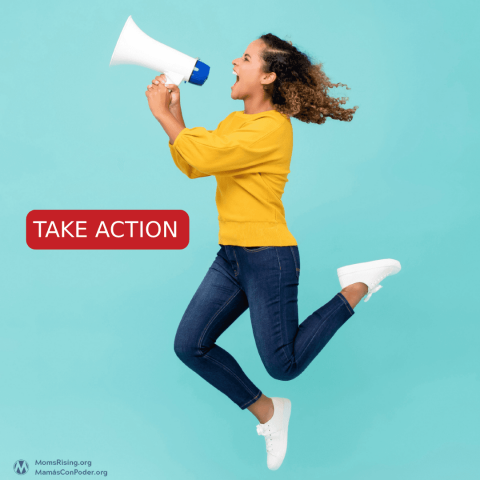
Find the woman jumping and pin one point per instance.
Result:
(258, 264)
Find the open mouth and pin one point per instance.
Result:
(238, 78)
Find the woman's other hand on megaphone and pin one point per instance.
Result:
(174, 106)
(159, 98)
(174, 90)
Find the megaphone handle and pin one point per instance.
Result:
(174, 78)
(168, 81)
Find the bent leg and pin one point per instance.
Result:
(287, 348)
(217, 303)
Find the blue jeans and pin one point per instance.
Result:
(264, 279)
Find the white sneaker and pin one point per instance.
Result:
(370, 273)
(275, 432)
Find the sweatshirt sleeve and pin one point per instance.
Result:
(185, 167)
(252, 148)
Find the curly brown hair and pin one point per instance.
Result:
(301, 87)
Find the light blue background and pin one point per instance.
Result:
(86, 347)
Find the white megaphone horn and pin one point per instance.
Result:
(137, 48)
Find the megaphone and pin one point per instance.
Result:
(137, 48)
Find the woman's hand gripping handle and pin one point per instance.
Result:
(174, 97)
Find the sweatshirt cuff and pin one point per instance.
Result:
(174, 144)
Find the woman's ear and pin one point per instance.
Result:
(269, 78)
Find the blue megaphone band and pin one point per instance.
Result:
(200, 73)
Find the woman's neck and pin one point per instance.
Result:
(252, 106)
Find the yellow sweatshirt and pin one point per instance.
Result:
(249, 155)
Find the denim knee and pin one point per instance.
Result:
(182, 347)
(186, 348)
(282, 374)
(182, 350)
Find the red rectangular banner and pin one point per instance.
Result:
(107, 229)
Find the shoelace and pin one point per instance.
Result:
(265, 431)
(377, 288)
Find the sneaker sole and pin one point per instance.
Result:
(358, 267)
